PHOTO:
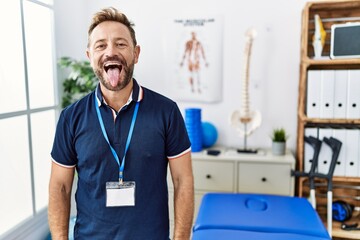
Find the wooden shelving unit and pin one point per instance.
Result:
(331, 12)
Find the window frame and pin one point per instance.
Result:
(37, 223)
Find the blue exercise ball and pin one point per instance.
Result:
(209, 134)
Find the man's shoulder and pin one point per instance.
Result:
(156, 98)
(78, 106)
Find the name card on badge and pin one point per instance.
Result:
(120, 195)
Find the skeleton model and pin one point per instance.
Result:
(319, 36)
(245, 121)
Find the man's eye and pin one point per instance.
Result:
(100, 46)
(121, 44)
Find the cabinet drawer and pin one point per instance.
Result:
(213, 176)
(265, 178)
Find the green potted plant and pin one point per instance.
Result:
(279, 138)
(80, 80)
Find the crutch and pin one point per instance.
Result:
(316, 144)
(335, 146)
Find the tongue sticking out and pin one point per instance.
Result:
(113, 74)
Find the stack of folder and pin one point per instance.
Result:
(333, 94)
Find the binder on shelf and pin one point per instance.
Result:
(313, 93)
(308, 149)
(352, 152)
(340, 134)
(340, 93)
(353, 96)
(325, 154)
(327, 94)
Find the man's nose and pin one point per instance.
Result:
(111, 51)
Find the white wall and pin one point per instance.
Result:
(275, 60)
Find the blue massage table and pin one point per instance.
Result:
(231, 216)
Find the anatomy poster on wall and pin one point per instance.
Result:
(193, 54)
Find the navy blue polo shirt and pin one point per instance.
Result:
(159, 135)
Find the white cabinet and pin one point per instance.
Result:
(213, 175)
(234, 172)
(265, 178)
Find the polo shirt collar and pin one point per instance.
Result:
(136, 94)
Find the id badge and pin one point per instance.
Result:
(120, 195)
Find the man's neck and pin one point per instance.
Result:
(117, 99)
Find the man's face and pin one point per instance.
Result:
(112, 54)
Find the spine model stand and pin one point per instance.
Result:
(246, 121)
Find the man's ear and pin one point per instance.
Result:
(88, 53)
(137, 53)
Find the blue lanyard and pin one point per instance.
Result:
(122, 165)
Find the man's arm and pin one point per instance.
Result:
(59, 200)
(183, 180)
